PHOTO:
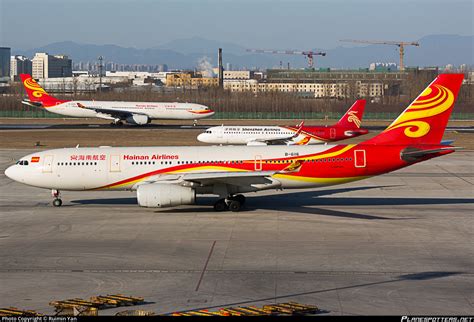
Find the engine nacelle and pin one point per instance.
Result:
(160, 195)
(138, 119)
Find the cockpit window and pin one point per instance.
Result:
(22, 162)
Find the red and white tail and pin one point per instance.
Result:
(36, 93)
(353, 117)
(424, 120)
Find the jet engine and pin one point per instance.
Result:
(160, 195)
(138, 119)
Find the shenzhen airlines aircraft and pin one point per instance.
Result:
(172, 176)
(347, 127)
(138, 113)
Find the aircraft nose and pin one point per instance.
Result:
(202, 137)
(12, 172)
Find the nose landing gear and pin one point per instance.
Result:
(57, 202)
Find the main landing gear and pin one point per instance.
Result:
(116, 123)
(57, 202)
(232, 203)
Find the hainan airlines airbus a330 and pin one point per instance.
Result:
(138, 113)
(172, 176)
(347, 127)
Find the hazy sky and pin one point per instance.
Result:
(298, 24)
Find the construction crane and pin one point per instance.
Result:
(309, 54)
(400, 44)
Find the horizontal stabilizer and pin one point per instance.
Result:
(415, 154)
(31, 103)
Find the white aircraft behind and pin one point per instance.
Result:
(138, 113)
(348, 126)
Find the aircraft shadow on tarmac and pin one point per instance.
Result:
(301, 202)
(406, 277)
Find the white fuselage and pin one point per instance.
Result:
(124, 168)
(252, 135)
(158, 111)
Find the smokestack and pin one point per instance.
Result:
(221, 68)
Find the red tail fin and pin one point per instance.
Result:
(353, 117)
(36, 93)
(424, 120)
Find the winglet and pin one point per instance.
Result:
(300, 128)
(300, 124)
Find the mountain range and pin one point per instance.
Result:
(434, 50)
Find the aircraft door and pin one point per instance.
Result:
(258, 163)
(332, 133)
(48, 164)
(359, 158)
(115, 163)
(220, 132)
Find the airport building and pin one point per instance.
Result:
(325, 83)
(190, 80)
(309, 90)
(238, 74)
(20, 65)
(51, 66)
(5, 53)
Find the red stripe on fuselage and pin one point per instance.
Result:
(247, 165)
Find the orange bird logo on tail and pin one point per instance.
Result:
(353, 118)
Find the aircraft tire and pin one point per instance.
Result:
(234, 206)
(240, 198)
(220, 205)
(57, 202)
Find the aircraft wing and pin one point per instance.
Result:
(115, 113)
(231, 178)
(284, 140)
(280, 141)
(254, 179)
